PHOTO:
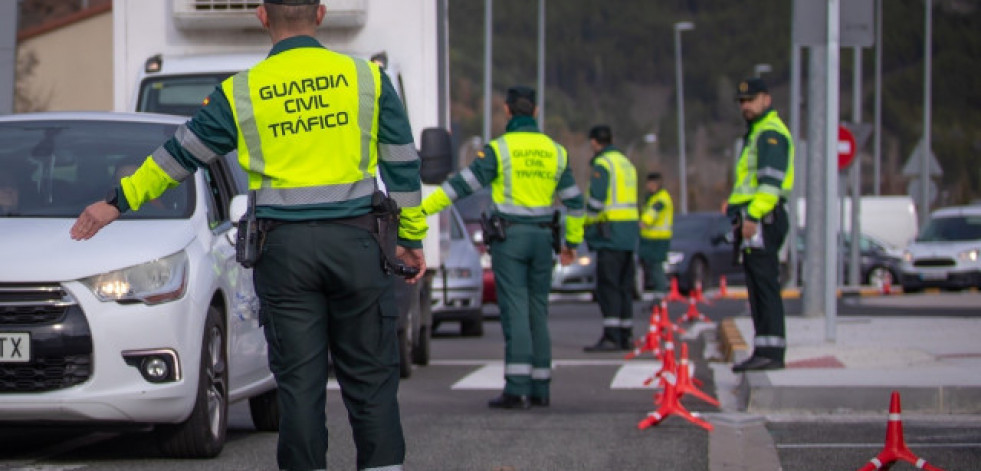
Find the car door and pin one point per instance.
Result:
(246, 342)
(722, 250)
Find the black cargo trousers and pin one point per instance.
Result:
(762, 269)
(321, 286)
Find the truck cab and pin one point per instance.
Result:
(170, 55)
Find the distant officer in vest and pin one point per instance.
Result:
(526, 170)
(314, 180)
(764, 178)
(613, 232)
(656, 219)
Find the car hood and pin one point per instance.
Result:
(40, 250)
(946, 248)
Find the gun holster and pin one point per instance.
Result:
(494, 228)
(248, 241)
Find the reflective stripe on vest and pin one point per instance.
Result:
(529, 167)
(747, 173)
(621, 194)
(307, 137)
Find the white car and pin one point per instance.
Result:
(149, 322)
(947, 253)
(458, 286)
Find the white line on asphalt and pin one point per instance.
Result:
(878, 445)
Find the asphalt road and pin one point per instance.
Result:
(597, 402)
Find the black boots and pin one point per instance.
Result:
(509, 401)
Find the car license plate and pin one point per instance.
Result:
(15, 347)
(933, 276)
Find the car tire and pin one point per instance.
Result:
(202, 435)
(912, 289)
(265, 411)
(472, 327)
(879, 276)
(420, 351)
(697, 271)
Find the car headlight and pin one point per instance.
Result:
(153, 282)
(485, 260)
(969, 255)
(908, 256)
(584, 260)
(675, 258)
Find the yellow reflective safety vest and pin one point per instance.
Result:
(747, 172)
(529, 167)
(307, 136)
(621, 193)
(656, 224)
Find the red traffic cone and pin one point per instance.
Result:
(664, 321)
(886, 287)
(671, 406)
(685, 383)
(723, 289)
(673, 293)
(651, 341)
(693, 313)
(895, 448)
(698, 295)
(668, 363)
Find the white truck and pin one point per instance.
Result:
(170, 54)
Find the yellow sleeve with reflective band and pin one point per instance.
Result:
(435, 202)
(765, 199)
(147, 183)
(412, 224)
(574, 229)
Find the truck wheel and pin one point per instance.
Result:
(420, 348)
(420, 351)
(202, 435)
(405, 354)
(265, 411)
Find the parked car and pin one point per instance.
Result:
(458, 284)
(879, 263)
(152, 321)
(701, 250)
(947, 253)
(470, 209)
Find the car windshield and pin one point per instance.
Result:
(55, 168)
(951, 229)
(178, 95)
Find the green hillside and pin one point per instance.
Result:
(614, 62)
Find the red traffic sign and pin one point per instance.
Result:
(846, 148)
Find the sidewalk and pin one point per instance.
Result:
(934, 362)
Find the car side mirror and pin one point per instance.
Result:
(436, 153)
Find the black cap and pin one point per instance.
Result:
(518, 92)
(654, 176)
(292, 2)
(602, 134)
(750, 87)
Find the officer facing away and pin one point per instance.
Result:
(764, 178)
(525, 170)
(313, 196)
(612, 231)
(656, 220)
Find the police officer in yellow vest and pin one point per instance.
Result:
(612, 231)
(764, 177)
(313, 174)
(525, 170)
(656, 219)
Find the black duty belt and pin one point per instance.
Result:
(367, 222)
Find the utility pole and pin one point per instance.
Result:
(488, 63)
(8, 55)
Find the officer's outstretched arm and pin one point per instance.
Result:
(93, 218)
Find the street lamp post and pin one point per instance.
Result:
(682, 166)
